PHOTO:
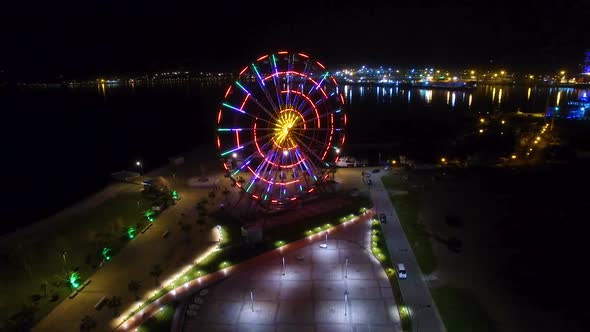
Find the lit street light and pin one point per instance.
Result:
(234, 155)
(346, 268)
(345, 302)
(139, 165)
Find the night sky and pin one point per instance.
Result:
(80, 39)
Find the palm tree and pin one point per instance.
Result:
(87, 323)
(156, 272)
(114, 303)
(133, 287)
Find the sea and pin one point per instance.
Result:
(61, 143)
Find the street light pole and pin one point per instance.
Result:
(63, 255)
(284, 268)
(345, 302)
(139, 165)
(252, 299)
(346, 268)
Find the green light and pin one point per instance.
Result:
(241, 87)
(107, 253)
(74, 279)
(131, 232)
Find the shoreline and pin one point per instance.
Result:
(112, 189)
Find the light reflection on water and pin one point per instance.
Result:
(484, 98)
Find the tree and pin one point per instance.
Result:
(156, 272)
(87, 323)
(133, 287)
(114, 303)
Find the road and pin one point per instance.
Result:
(425, 316)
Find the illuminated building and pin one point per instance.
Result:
(586, 70)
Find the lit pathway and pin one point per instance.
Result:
(425, 316)
(132, 263)
(309, 296)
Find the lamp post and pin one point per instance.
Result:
(139, 165)
(346, 268)
(63, 256)
(284, 267)
(252, 299)
(345, 302)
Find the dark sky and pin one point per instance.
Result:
(85, 38)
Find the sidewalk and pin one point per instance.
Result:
(415, 292)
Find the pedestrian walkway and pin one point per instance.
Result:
(415, 292)
(340, 288)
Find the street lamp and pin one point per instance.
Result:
(346, 268)
(234, 155)
(252, 299)
(139, 165)
(345, 302)
(284, 267)
(63, 256)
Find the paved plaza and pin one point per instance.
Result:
(308, 295)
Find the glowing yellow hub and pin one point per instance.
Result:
(286, 127)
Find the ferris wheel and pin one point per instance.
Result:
(280, 128)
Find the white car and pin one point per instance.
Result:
(401, 271)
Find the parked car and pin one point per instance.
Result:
(383, 218)
(401, 271)
(376, 170)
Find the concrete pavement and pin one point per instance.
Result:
(415, 292)
(308, 295)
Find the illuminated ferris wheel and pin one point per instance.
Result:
(280, 128)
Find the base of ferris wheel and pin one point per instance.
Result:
(256, 216)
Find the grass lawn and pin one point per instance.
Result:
(31, 261)
(380, 251)
(160, 322)
(461, 311)
(407, 207)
